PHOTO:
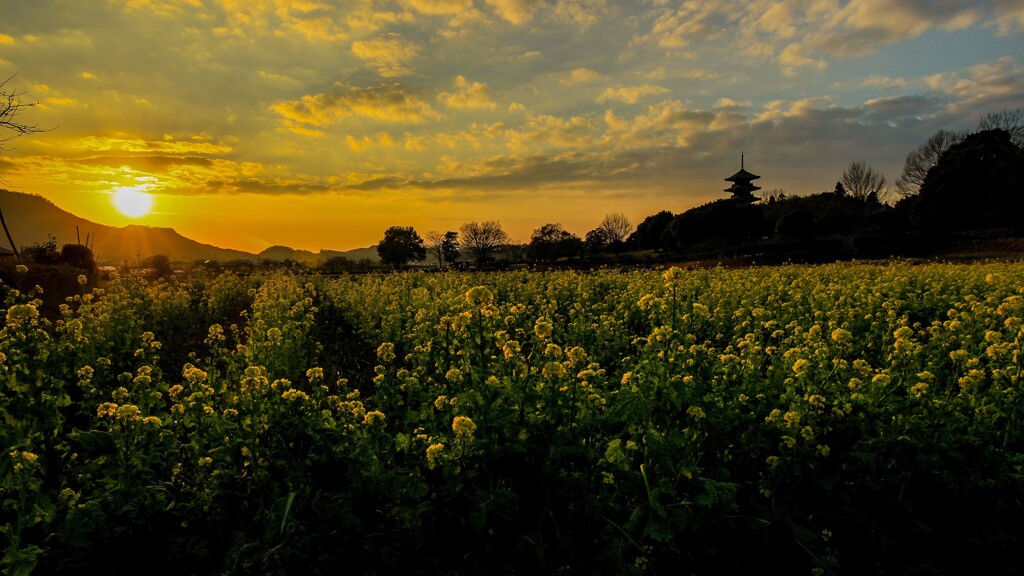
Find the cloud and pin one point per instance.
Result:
(544, 131)
(797, 55)
(439, 7)
(475, 137)
(730, 104)
(631, 94)
(390, 56)
(517, 12)
(668, 123)
(691, 21)
(988, 87)
(383, 102)
(582, 13)
(900, 107)
(578, 76)
(313, 21)
(1008, 18)
(884, 82)
(468, 95)
(269, 186)
(381, 140)
(166, 146)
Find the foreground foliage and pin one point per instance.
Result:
(833, 419)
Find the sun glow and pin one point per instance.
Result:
(132, 201)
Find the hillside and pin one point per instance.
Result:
(33, 219)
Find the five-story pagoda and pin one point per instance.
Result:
(742, 188)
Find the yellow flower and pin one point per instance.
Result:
(454, 375)
(21, 269)
(542, 329)
(20, 313)
(434, 453)
(673, 275)
(792, 418)
(479, 295)
(463, 426)
(315, 374)
(553, 370)
(386, 352)
(293, 395)
(840, 336)
(373, 417)
(800, 366)
(82, 280)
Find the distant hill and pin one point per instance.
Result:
(32, 219)
(281, 253)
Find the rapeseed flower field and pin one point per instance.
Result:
(836, 419)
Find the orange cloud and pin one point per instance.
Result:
(468, 95)
(389, 56)
(631, 94)
(384, 102)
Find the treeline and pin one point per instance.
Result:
(953, 186)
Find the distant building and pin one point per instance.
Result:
(5, 252)
(742, 188)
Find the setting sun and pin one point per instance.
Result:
(132, 202)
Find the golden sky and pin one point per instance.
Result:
(317, 124)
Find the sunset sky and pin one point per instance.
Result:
(319, 123)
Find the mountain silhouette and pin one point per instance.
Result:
(32, 219)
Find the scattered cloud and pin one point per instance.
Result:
(631, 94)
(578, 76)
(439, 7)
(468, 95)
(988, 87)
(730, 104)
(517, 12)
(383, 102)
(390, 56)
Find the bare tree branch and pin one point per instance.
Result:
(11, 105)
(862, 181)
(616, 227)
(921, 160)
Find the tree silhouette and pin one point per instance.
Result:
(160, 264)
(444, 246)
(616, 227)
(435, 245)
(450, 247)
(481, 239)
(863, 182)
(651, 233)
(921, 160)
(976, 184)
(596, 241)
(400, 245)
(1010, 120)
(551, 242)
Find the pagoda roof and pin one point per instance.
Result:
(742, 176)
